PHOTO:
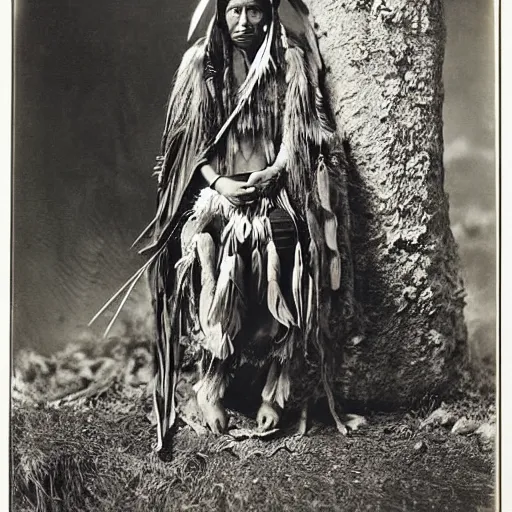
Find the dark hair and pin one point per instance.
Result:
(218, 57)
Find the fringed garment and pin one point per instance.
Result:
(282, 263)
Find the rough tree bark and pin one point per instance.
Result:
(384, 62)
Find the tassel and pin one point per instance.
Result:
(297, 283)
(276, 302)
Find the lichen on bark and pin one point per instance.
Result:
(384, 76)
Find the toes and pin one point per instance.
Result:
(267, 417)
(217, 421)
(213, 414)
(221, 422)
(216, 427)
(264, 423)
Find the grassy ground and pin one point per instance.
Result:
(96, 456)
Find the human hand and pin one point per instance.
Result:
(236, 192)
(263, 177)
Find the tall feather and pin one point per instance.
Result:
(130, 284)
(196, 17)
(259, 68)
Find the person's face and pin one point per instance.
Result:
(245, 20)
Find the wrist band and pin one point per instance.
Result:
(212, 184)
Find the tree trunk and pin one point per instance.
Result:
(384, 62)
(90, 195)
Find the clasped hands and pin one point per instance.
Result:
(241, 193)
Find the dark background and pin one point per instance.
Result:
(91, 82)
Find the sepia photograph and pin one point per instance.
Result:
(254, 252)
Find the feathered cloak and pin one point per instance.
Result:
(315, 182)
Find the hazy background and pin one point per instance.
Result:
(91, 81)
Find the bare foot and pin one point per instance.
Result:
(213, 413)
(268, 416)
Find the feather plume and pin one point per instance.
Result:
(323, 185)
(277, 305)
(242, 227)
(257, 271)
(314, 260)
(159, 431)
(226, 347)
(275, 298)
(228, 304)
(227, 231)
(284, 202)
(310, 306)
(298, 268)
(273, 265)
(335, 272)
(330, 232)
(130, 284)
(213, 335)
(196, 17)
(258, 230)
(314, 228)
(219, 303)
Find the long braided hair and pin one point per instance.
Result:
(261, 115)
